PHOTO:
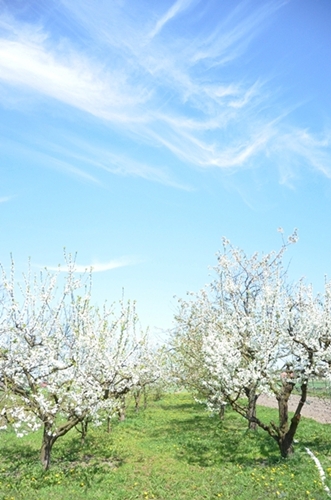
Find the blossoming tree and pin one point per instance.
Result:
(189, 367)
(62, 360)
(258, 335)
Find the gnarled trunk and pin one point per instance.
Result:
(47, 445)
(287, 432)
(285, 444)
(50, 435)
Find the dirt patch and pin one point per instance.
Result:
(317, 408)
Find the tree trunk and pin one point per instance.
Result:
(84, 428)
(50, 436)
(47, 445)
(145, 397)
(286, 431)
(137, 395)
(122, 409)
(283, 433)
(108, 425)
(285, 441)
(221, 412)
(121, 414)
(285, 444)
(251, 408)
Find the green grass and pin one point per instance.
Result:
(172, 451)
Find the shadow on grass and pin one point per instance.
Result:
(206, 441)
(18, 452)
(96, 450)
(82, 462)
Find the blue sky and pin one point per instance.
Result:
(139, 133)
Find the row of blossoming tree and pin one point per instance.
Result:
(251, 332)
(62, 361)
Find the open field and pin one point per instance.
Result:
(173, 450)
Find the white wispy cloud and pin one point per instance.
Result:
(303, 148)
(58, 71)
(175, 92)
(46, 155)
(94, 159)
(100, 158)
(122, 164)
(232, 36)
(96, 267)
(172, 12)
(5, 199)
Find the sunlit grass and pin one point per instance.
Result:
(173, 450)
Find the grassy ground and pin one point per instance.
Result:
(171, 451)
